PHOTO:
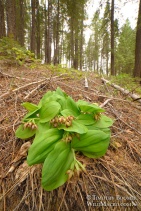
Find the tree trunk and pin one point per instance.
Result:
(137, 69)
(48, 30)
(33, 27)
(38, 30)
(107, 61)
(112, 39)
(81, 46)
(45, 34)
(11, 18)
(72, 42)
(56, 50)
(2, 21)
(20, 21)
(76, 50)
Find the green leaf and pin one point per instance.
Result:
(60, 92)
(41, 128)
(31, 115)
(24, 133)
(68, 112)
(75, 127)
(49, 111)
(48, 97)
(86, 119)
(87, 107)
(103, 122)
(58, 161)
(43, 143)
(30, 106)
(95, 154)
(92, 140)
(71, 105)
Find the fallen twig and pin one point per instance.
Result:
(26, 85)
(106, 102)
(12, 76)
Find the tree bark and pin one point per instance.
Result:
(20, 21)
(2, 21)
(72, 42)
(49, 32)
(56, 51)
(137, 68)
(81, 46)
(38, 30)
(11, 18)
(112, 39)
(33, 27)
(76, 50)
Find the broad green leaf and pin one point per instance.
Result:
(89, 139)
(75, 127)
(62, 102)
(95, 154)
(58, 161)
(31, 115)
(85, 119)
(53, 96)
(82, 102)
(103, 122)
(68, 112)
(60, 92)
(97, 146)
(41, 128)
(105, 130)
(42, 145)
(71, 105)
(49, 111)
(91, 108)
(46, 96)
(30, 106)
(24, 133)
(87, 107)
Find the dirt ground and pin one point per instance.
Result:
(112, 182)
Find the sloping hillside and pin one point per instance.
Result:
(112, 182)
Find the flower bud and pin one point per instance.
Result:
(68, 124)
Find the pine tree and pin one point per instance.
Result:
(137, 69)
(2, 21)
(112, 39)
(11, 18)
(124, 56)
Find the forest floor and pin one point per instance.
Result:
(112, 182)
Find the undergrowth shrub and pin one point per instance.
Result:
(10, 49)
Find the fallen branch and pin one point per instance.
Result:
(26, 85)
(124, 91)
(105, 103)
(32, 91)
(12, 76)
(86, 83)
